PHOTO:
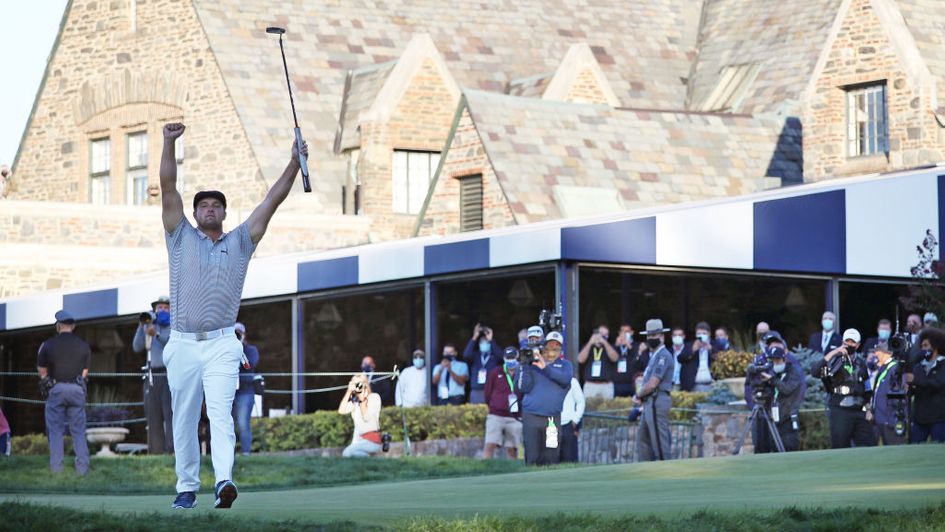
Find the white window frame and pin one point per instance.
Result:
(137, 171)
(867, 120)
(100, 176)
(412, 173)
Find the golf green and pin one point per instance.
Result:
(879, 477)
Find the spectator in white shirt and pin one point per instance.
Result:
(412, 388)
(365, 410)
(571, 413)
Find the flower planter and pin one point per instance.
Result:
(106, 436)
(736, 385)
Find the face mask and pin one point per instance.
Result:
(418, 363)
(603, 337)
(653, 342)
(828, 325)
(450, 357)
(677, 340)
(927, 353)
(779, 368)
(704, 337)
(511, 364)
(366, 368)
(484, 346)
(162, 318)
(850, 349)
(871, 365)
(884, 334)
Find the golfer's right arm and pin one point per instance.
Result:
(172, 207)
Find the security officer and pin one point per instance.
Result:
(653, 436)
(154, 330)
(63, 366)
(545, 383)
(785, 401)
(847, 381)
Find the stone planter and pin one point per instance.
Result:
(736, 385)
(106, 436)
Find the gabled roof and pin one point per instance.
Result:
(361, 88)
(649, 157)
(558, 85)
(644, 47)
(782, 39)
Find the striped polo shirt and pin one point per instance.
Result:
(206, 276)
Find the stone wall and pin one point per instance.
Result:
(586, 89)
(864, 53)
(107, 79)
(420, 121)
(465, 156)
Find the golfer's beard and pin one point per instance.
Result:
(215, 225)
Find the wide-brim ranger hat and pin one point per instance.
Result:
(163, 299)
(654, 326)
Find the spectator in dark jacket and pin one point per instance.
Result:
(927, 385)
(827, 339)
(504, 423)
(694, 374)
(545, 383)
(887, 424)
(483, 354)
(682, 353)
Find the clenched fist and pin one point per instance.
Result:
(173, 130)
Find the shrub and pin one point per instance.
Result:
(730, 364)
(36, 445)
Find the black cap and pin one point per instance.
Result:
(772, 336)
(510, 352)
(209, 194)
(776, 352)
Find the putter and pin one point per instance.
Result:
(303, 159)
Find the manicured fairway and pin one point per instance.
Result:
(888, 478)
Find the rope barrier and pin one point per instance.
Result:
(158, 374)
(38, 402)
(331, 389)
(119, 422)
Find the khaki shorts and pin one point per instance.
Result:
(503, 431)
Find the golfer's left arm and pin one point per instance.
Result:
(259, 220)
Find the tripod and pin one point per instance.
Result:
(772, 429)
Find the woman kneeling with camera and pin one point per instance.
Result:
(365, 410)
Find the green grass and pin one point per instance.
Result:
(900, 481)
(155, 474)
(19, 516)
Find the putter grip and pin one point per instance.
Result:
(303, 162)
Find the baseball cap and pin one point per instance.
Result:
(510, 352)
(772, 336)
(851, 334)
(64, 317)
(556, 336)
(163, 299)
(240, 328)
(209, 194)
(776, 352)
(535, 330)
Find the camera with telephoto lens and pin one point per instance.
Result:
(549, 321)
(146, 317)
(358, 389)
(385, 441)
(900, 344)
(530, 352)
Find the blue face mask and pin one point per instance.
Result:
(511, 364)
(884, 334)
(418, 363)
(484, 346)
(779, 368)
(162, 318)
(828, 325)
(871, 365)
(366, 368)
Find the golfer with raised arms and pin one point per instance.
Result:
(207, 271)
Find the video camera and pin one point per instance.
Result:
(549, 321)
(762, 389)
(146, 317)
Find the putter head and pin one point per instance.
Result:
(275, 30)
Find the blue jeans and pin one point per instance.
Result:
(242, 408)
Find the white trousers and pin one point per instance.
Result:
(361, 447)
(200, 371)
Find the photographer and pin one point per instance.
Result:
(927, 385)
(365, 410)
(599, 371)
(449, 378)
(154, 330)
(485, 355)
(779, 386)
(886, 413)
(770, 340)
(846, 380)
(544, 381)
(626, 362)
